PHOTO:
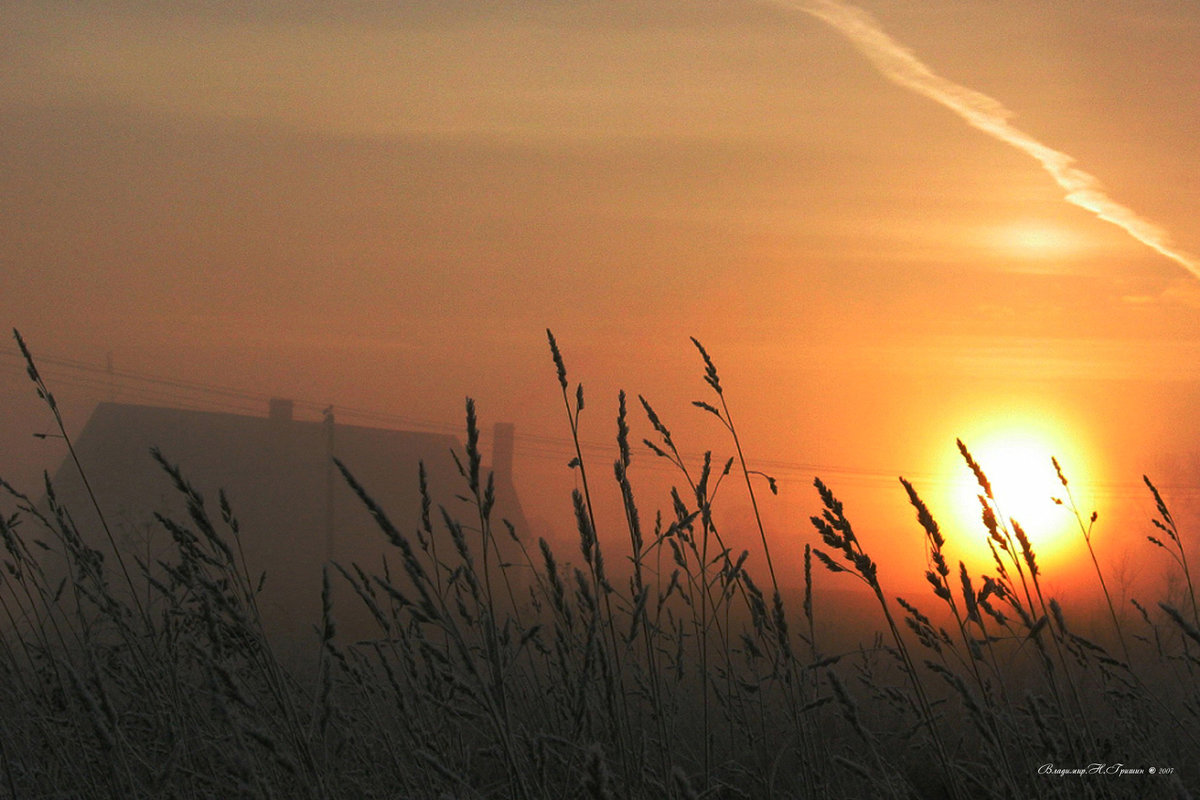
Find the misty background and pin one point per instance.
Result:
(382, 208)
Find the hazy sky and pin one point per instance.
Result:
(382, 206)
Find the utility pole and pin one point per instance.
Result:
(329, 519)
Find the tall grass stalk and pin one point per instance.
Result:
(938, 577)
(593, 556)
(1011, 538)
(1086, 530)
(43, 392)
(836, 531)
(1165, 522)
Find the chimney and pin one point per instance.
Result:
(280, 410)
(502, 452)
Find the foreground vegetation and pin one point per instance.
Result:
(497, 670)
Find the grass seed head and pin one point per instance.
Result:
(559, 366)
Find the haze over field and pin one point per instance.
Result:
(891, 224)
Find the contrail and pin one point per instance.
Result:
(898, 64)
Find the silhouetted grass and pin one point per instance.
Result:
(676, 676)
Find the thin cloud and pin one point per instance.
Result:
(898, 64)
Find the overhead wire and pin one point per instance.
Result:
(133, 386)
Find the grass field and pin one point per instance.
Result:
(659, 667)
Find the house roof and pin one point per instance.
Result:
(295, 511)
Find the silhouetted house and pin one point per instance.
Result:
(294, 509)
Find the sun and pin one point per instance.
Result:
(1017, 457)
(1033, 242)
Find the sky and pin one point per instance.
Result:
(891, 224)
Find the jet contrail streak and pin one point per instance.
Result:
(898, 64)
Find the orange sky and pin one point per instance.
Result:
(383, 206)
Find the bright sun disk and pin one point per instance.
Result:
(1016, 458)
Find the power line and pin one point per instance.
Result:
(201, 396)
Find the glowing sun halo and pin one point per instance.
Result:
(1035, 241)
(1016, 458)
